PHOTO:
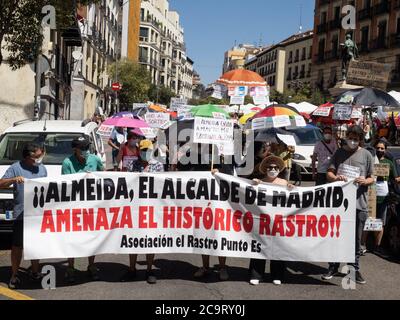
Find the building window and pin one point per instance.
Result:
(364, 38)
(144, 34)
(303, 54)
(382, 34)
(321, 50)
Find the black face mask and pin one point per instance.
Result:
(380, 154)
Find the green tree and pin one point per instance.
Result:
(135, 79)
(20, 26)
(160, 94)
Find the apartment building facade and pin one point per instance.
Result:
(377, 36)
(284, 64)
(161, 46)
(101, 34)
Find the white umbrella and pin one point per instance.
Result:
(304, 107)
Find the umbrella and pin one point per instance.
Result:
(126, 123)
(247, 117)
(277, 110)
(126, 114)
(303, 107)
(209, 111)
(370, 97)
(278, 116)
(241, 77)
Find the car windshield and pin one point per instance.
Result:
(307, 136)
(57, 146)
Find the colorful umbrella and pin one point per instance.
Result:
(247, 117)
(277, 110)
(241, 77)
(126, 123)
(277, 116)
(209, 111)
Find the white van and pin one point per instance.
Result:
(56, 137)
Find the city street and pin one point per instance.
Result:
(175, 281)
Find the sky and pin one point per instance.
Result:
(212, 27)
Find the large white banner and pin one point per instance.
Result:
(195, 212)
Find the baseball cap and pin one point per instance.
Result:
(82, 143)
(145, 144)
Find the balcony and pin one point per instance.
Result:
(151, 22)
(382, 8)
(365, 14)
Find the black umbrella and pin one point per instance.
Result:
(371, 97)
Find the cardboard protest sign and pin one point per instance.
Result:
(96, 213)
(212, 131)
(156, 119)
(382, 170)
(177, 102)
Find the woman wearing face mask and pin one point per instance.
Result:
(151, 165)
(129, 154)
(382, 187)
(270, 167)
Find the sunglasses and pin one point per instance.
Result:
(271, 168)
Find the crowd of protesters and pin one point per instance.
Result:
(132, 152)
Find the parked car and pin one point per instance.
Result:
(56, 137)
(307, 138)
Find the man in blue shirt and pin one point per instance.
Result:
(81, 161)
(30, 167)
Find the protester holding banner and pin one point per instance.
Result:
(284, 152)
(383, 186)
(323, 152)
(117, 138)
(149, 164)
(81, 161)
(353, 162)
(30, 167)
(270, 168)
(129, 154)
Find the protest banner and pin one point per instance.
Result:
(212, 131)
(156, 119)
(89, 214)
(105, 131)
(322, 112)
(177, 102)
(382, 170)
(369, 74)
(342, 112)
(184, 112)
(237, 100)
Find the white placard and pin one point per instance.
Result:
(259, 91)
(237, 100)
(260, 100)
(300, 122)
(156, 120)
(212, 131)
(287, 139)
(149, 133)
(322, 112)
(259, 123)
(139, 106)
(105, 131)
(281, 121)
(184, 112)
(349, 171)
(373, 225)
(356, 113)
(227, 149)
(177, 102)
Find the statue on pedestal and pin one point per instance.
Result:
(349, 53)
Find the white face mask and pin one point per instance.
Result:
(38, 162)
(273, 174)
(328, 137)
(353, 145)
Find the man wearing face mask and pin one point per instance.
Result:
(353, 162)
(81, 161)
(323, 152)
(30, 167)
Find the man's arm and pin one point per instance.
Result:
(10, 178)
